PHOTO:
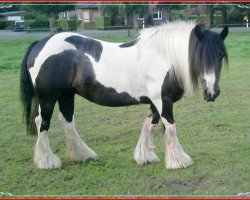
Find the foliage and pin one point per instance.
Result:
(5, 24)
(215, 135)
(38, 23)
(48, 8)
(110, 11)
(89, 25)
(102, 22)
(32, 15)
(72, 24)
(63, 24)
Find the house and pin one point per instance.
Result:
(86, 13)
(13, 15)
(158, 17)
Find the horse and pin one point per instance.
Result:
(158, 68)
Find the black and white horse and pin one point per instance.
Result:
(157, 69)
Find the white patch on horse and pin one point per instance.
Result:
(44, 157)
(126, 70)
(210, 81)
(54, 45)
(77, 150)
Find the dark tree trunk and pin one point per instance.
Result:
(209, 17)
(224, 15)
(135, 21)
(165, 14)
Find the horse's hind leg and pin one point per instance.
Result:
(77, 150)
(144, 151)
(44, 157)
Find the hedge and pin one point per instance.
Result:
(63, 24)
(89, 25)
(37, 23)
(102, 22)
(72, 24)
(5, 24)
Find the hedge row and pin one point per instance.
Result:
(5, 25)
(37, 23)
(102, 22)
(63, 25)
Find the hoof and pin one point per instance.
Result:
(177, 160)
(47, 161)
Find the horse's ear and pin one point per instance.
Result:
(198, 32)
(224, 33)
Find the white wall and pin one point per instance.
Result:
(13, 18)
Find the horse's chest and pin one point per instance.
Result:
(171, 87)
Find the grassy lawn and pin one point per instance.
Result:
(216, 136)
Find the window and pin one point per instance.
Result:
(140, 16)
(157, 15)
(79, 16)
(86, 16)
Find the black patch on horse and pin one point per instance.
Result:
(172, 88)
(171, 91)
(87, 45)
(128, 44)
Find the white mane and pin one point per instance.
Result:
(171, 41)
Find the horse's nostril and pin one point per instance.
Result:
(205, 91)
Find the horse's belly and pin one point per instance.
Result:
(106, 96)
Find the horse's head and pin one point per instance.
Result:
(206, 55)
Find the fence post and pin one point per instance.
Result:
(247, 23)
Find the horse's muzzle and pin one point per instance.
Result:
(209, 96)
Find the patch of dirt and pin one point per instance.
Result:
(180, 186)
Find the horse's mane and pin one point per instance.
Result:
(171, 40)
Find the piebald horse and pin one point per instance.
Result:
(158, 68)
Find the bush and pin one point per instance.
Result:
(63, 25)
(89, 25)
(72, 25)
(102, 22)
(37, 23)
(5, 25)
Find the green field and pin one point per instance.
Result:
(216, 136)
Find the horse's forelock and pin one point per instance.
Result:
(205, 54)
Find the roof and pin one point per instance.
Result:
(87, 6)
(21, 12)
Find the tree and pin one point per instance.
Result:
(50, 9)
(110, 10)
(209, 15)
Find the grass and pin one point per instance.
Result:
(215, 135)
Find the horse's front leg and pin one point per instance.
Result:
(144, 151)
(175, 157)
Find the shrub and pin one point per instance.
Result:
(5, 24)
(37, 23)
(102, 22)
(89, 25)
(63, 25)
(72, 25)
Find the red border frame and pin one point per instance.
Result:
(123, 198)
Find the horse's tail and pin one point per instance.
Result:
(27, 95)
